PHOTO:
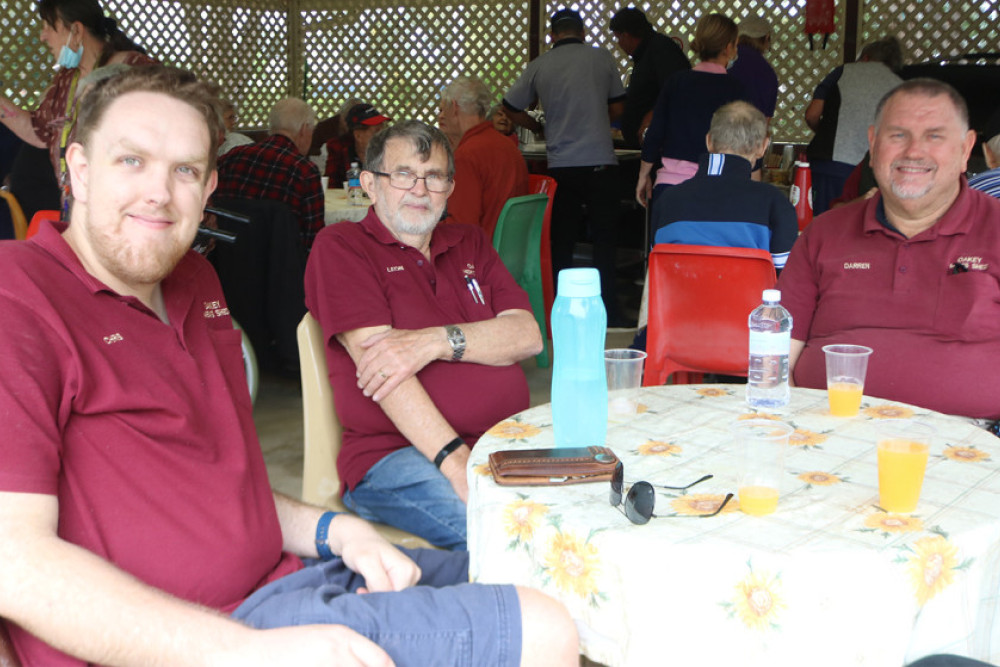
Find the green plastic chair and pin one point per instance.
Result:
(517, 239)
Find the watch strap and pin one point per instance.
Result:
(322, 533)
(446, 450)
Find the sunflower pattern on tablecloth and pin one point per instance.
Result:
(820, 478)
(572, 564)
(695, 504)
(758, 601)
(888, 412)
(931, 563)
(965, 454)
(521, 519)
(889, 524)
(713, 392)
(659, 448)
(514, 429)
(802, 437)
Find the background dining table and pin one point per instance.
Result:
(337, 207)
(828, 579)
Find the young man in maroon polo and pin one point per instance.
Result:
(135, 511)
(913, 272)
(424, 329)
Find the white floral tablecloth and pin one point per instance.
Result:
(336, 207)
(828, 579)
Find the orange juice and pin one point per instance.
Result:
(845, 398)
(758, 500)
(901, 465)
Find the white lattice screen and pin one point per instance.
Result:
(398, 53)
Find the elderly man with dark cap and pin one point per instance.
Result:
(363, 121)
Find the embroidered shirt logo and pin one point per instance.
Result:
(392, 269)
(470, 270)
(972, 263)
(113, 338)
(214, 309)
(848, 266)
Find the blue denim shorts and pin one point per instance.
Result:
(441, 621)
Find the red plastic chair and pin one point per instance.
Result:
(36, 221)
(699, 301)
(546, 185)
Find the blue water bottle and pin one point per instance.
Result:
(579, 384)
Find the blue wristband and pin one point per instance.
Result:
(322, 531)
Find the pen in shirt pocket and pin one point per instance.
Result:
(956, 268)
(477, 294)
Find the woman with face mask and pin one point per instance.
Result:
(82, 39)
(676, 136)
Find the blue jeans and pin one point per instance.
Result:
(407, 491)
(440, 621)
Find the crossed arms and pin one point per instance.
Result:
(388, 360)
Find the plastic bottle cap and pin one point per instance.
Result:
(772, 295)
(579, 283)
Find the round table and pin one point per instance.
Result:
(337, 207)
(828, 579)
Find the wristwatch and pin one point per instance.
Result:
(457, 341)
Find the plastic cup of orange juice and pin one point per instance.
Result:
(903, 447)
(846, 367)
(762, 444)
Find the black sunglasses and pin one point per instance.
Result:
(641, 497)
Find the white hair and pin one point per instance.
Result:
(471, 95)
(289, 115)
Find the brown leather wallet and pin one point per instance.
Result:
(552, 467)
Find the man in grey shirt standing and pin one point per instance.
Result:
(580, 89)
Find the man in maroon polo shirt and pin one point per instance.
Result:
(913, 272)
(424, 329)
(489, 169)
(135, 511)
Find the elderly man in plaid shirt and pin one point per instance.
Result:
(278, 168)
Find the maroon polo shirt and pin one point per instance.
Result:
(489, 170)
(935, 330)
(359, 275)
(142, 430)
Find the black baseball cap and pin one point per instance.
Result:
(364, 115)
(569, 18)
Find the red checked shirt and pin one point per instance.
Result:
(929, 305)
(275, 170)
(359, 275)
(340, 153)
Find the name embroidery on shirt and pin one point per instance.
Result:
(113, 338)
(972, 263)
(214, 309)
(469, 270)
(849, 266)
(392, 269)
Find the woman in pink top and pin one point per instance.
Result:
(683, 112)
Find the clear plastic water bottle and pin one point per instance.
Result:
(770, 343)
(355, 193)
(579, 384)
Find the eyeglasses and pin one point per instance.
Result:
(641, 498)
(404, 180)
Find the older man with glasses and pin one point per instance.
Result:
(424, 330)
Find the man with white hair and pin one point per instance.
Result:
(911, 272)
(278, 168)
(489, 169)
(423, 345)
(721, 205)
